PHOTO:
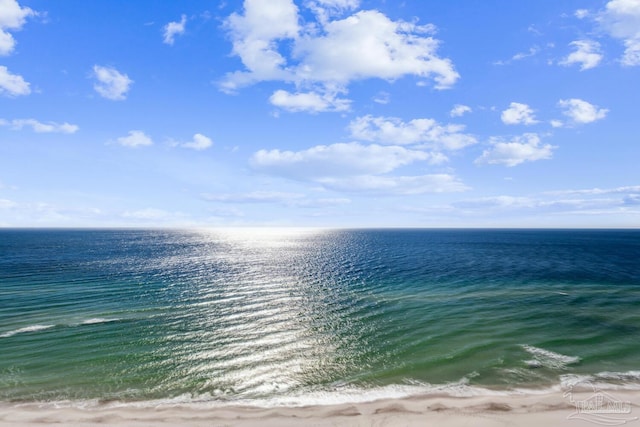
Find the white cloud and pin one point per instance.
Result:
(278, 197)
(12, 84)
(308, 101)
(391, 130)
(370, 45)
(534, 50)
(525, 148)
(39, 127)
(630, 189)
(341, 159)
(518, 113)
(581, 13)
(321, 203)
(7, 204)
(587, 54)
(254, 197)
(156, 215)
(135, 138)
(522, 55)
(199, 142)
(326, 55)
(496, 202)
(172, 29)
(12, 17)
(621, 19)
(324, 9)
(459, 110)
(111, 84)
(382, 98)
(399, 185)
(353, 167)
(255, 35)
(581, 112)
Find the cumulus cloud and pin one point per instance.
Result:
(587, 54)
(172, 29)
(518, 113)
(12, 17)
(255, 36)
(391, 130)
(459, 110)
(520, 149)
(12, 84)
(39, 127)
(199, 142)
(308, 101)
(328, 54)
(581, 112)
(621, 19)
(111, 84)
(135, 138)
(370, 45)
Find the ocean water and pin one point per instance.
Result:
(303, 316)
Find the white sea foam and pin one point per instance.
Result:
(547, 358)
(347, 394)
(32, 328)
(341, 395)
(606, 380)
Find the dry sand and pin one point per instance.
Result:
(546, 410)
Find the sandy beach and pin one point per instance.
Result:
(554, 409)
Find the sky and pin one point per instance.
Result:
(319, 113)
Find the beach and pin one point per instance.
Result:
(552, 409)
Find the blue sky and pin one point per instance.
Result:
(333, 113)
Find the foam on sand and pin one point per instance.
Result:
(483, 411)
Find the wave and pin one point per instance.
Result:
(38, 327)
(351, 394)
(32, 328)
(98, 320)
(548, 359)
(606, 380)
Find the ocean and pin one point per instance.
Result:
(310, 316)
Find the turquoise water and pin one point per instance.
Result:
(292, 316)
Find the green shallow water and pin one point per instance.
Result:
(283, 314)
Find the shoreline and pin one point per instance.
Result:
(526, 410)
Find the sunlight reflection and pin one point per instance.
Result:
(250, 330)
